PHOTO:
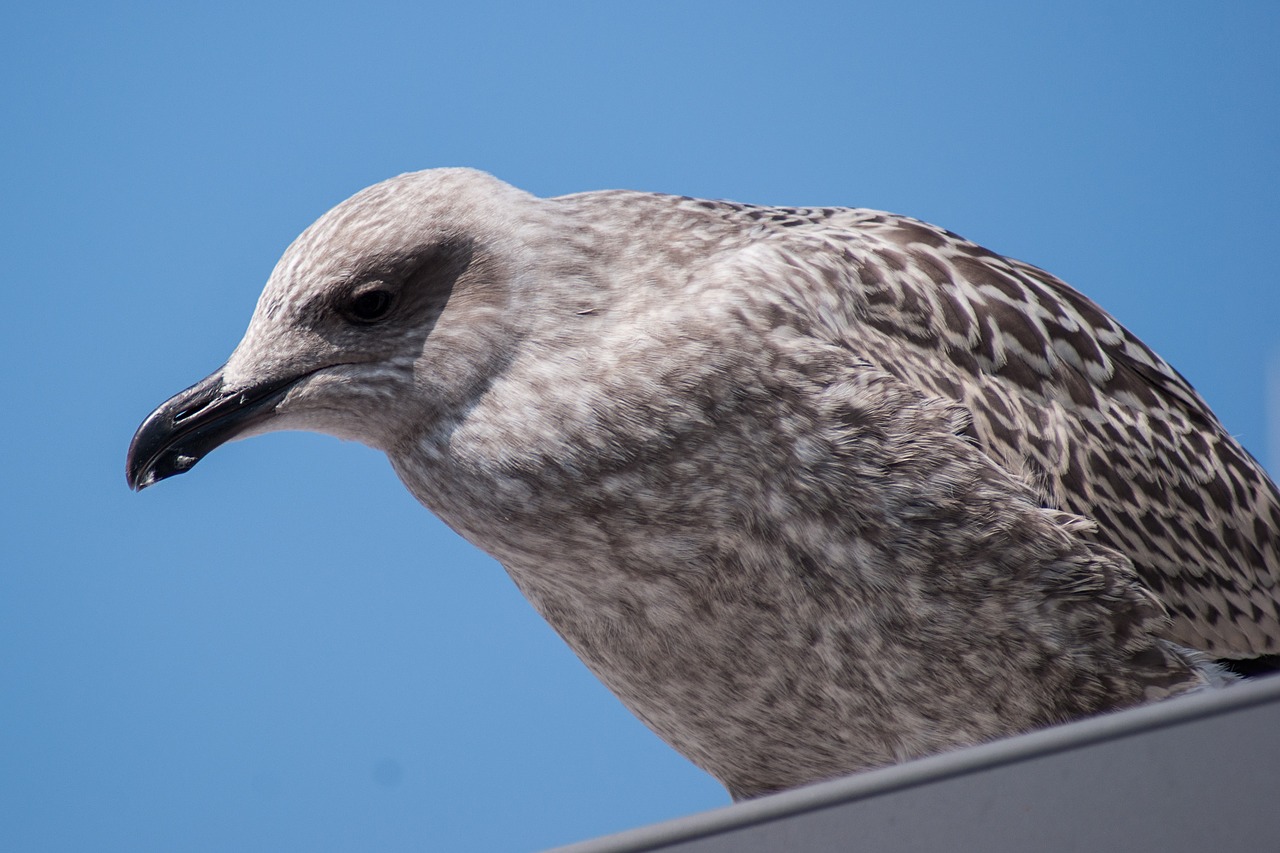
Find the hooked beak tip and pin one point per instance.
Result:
(193, 422)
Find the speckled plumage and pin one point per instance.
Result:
(811, 490)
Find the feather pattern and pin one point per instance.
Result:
(810, 489)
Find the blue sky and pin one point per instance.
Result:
(281, 650)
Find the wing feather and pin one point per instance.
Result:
(1065, 396)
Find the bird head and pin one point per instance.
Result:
(402, 293)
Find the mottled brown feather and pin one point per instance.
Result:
(810, 489)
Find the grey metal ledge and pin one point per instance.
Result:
(1195, 773)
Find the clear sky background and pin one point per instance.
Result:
(282, 650)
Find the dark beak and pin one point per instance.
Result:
(193, 422)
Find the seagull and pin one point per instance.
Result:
(811, 489)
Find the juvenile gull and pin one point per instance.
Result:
(811, 490)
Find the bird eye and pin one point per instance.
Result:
(369, 305)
